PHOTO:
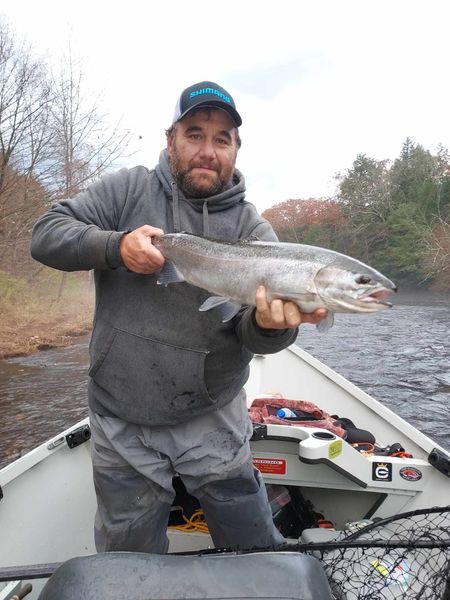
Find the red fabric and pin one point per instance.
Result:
(264, 410)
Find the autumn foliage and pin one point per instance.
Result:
(292, 218)
(296, 213)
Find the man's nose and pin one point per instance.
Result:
(207, 149)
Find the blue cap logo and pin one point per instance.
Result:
(211, 91)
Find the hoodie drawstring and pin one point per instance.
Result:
(176, 212)
(205, 220)
(175, 208)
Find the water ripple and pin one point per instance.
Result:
(40, 395)
(401, 357)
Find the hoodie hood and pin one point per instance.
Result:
(223, 201)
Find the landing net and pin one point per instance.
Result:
(404, 557)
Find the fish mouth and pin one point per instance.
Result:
(378, 296)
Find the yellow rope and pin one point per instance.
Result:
(197, 522)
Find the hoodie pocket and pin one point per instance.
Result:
(149, 381)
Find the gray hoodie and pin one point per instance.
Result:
(155, 359)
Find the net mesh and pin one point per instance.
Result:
(403, 557)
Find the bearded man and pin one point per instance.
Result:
(166, 381)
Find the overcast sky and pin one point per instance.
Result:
(316, 82)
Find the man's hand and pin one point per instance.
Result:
(282, 314)
(138, 253)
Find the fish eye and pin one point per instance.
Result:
(363, 279)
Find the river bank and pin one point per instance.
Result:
(50, 313)
(44, 334)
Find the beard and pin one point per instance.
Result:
(193, 189)
(199, 186)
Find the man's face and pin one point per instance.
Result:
(202, 152)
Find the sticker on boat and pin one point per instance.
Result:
(273, 466)
(335, 449)
(381, 471)
(410, 473)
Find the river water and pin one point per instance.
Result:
(40, 395)
(400, 356)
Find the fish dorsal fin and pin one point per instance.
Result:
(169, 274)
(326, 323)
(228, 308)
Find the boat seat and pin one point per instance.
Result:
(139, 576)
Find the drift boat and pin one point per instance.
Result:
(362, 520)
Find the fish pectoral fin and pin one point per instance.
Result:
(227, 307)
(169, 274)
(212, 302)
(229, 310)
(326, 323)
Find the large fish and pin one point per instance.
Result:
(311, 277)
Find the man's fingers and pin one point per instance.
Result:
(155, 258)
(281, 314)
(150, 231)
(262, 306)
(292, 314)
(277, 313)
(138, 253)
(263, 313)
(272, 315)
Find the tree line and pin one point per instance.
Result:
(53, 142)
(393, 215)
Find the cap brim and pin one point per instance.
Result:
(235, 116)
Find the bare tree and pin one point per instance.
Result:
(83, 146)
(53, 140)
(24, 113)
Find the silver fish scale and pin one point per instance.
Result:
(245, 249)
(235, 270)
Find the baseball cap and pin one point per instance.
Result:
(206, 94)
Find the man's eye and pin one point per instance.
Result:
(222, 141)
